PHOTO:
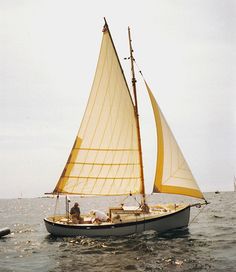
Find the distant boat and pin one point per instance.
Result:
(21, 195)
(106, 159)
(217, 192)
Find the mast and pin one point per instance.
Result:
(137, 115)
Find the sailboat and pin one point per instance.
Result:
(106, 159)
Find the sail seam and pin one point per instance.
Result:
(89, 177)
(172, 175)
(176, 177)
(106, 149)
(106, 164)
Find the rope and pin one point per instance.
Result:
(197, 215)
(138, 68)
(132, 197)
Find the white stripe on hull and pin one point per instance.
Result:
(163, 223)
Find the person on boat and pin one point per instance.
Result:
(75, 213)
(98, 216)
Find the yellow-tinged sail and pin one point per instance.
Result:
(105, 157)
(172, 171)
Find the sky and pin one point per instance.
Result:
(186, 50)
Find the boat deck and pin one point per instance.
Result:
(121, 215)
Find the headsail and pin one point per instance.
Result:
(172, 171)
(105, 157)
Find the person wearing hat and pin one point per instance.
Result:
(75, 213)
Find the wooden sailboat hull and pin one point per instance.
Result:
(160, 223)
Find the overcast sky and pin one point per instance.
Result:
(48, 55)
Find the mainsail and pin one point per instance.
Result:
(105, 157)
(173, 174)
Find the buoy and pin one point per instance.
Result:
(4, 231)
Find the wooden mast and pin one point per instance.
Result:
(137, 116)
(135, 104)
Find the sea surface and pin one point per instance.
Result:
(209, 243)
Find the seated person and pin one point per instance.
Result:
(98, 216)
(75, 213)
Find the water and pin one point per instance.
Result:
(209, 244)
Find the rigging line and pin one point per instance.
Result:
(197, 215)
(130, 195)
(139, 69)
(137, 115)
(125, 199)
(121, 202)
(139, 203)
